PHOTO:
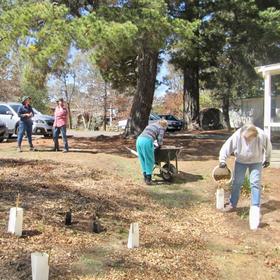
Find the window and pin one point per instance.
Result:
(3, 110)
(171, 118)
(15, 107)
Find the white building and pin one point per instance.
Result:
(263, 112)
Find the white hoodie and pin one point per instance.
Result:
(256, 151)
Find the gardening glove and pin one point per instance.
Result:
(222, 165)
(266, 164)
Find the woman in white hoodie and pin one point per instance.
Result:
(252, 150)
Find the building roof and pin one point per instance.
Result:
(273, 69)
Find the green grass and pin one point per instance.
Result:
(244, 213)
(173, 196)
(92, 262)
(246, 189)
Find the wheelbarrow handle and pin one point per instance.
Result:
(132, 151)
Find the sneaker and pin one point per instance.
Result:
(32, 149)
(148, 180)
(228, 208)
(19, 149)
(145, 177)
(65, 151)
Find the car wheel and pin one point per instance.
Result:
(1, 139)
(47, 136)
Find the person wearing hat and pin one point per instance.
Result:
(252, 150)
(59, 125)
(145, 147)
(25, 112)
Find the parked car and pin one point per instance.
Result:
(211, 119)
(3, 131)
(152, 118)
(42, 124)
(173, 122)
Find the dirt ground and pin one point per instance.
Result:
(182, 235)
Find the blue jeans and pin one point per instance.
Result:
(255, 171)
(56, 133)
(24, 126)
(145, 150)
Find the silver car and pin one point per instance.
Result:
(42, 124)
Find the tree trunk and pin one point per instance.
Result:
(191, 93)
(84, 121)
(143, 98)
(184, 110)
(225, 108)
(105, 107)
(69, 115)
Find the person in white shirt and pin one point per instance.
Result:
(252, 150)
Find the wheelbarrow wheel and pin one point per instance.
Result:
(168, 171)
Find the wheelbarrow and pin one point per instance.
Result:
(163, 157)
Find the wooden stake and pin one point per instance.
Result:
(17, 201)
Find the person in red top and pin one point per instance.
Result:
(59, 125)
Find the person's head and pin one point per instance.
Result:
(250, 132)
(163, 123)
(26, 100)
(60, 102)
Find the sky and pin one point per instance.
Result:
(161, 90)
(163, 71)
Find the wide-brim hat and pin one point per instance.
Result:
(24, 98)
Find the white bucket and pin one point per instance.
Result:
(220, 198)
(254, 217)
(15, 221)
(133, 237)
(40, 266)
(224, 173)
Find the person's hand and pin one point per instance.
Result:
(222, 165)
(266, 164)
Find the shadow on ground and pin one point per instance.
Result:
(174, 196)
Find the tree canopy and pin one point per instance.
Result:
(216, 45)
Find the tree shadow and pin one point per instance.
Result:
(184, 177)
(74, 150)
(51, 190)
(180, 178)
(173, 196)
(267, 207)
(263, 225)
(270, 206)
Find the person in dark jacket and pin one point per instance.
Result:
(25, 112)
(145, 147)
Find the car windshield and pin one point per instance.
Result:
(171, 118)
(15, 107)
(36, 111)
